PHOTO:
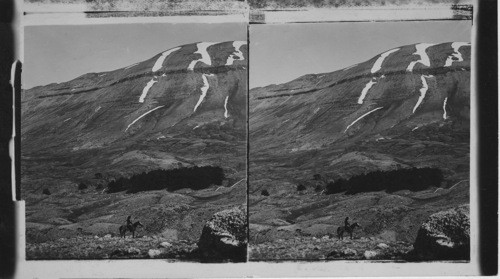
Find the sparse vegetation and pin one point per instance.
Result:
(195, 178)
(301, 187)
(413, 179)
(82, 186)
(264, 193)
(99, 186)
(98, 175)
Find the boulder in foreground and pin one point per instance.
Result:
(224, 236)
(445, 236)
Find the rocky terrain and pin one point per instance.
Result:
(182, 108)
(405, 108)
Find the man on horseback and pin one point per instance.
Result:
(129, 223)
(346, 223)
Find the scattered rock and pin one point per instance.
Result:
(445, 236)
(370, 255)
(224, 236)
(107, 236)
(349, 252)
(165, 244)
(153, 253)
(100, 246)
(382, 246)
(133, 251)
(326, 237)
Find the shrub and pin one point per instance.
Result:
(413, 179)
(265, 193)
(301, 187)
(98, 175)
(99, 186)
(319, 188)
(82, 186)
(195, 178)
(46, 191)
(317, 176)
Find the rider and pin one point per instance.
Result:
(129, 223)
(346, 223)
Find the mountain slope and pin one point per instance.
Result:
(407, 107)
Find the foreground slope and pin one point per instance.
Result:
(183, 107)
(407, 107)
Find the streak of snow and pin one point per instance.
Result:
(73, 89)
(365, 90)
(382, 76)
(237, 53)
(378, 64)
(146, 89)
(67, 119)
(204, 90)
(149, 111)
(97, 109)
(102, 75)
(197, 126)
(361, 117)
(415, 128)
(424, 58)
(205, 57)
(130, 66)
(456, 56)
(423, 90)
(159, 62)
(226, 115)
(345, 69)
(160, 137)
(445, 116)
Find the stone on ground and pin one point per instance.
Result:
(445, 236)
(224, 236)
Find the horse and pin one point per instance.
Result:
(123, 229)
(349, 229)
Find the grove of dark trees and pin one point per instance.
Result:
(195, 178)
(413, 179)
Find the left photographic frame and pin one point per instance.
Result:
(133, 141)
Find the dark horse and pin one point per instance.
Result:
(346, 229)
(123, 229)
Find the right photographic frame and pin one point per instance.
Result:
(359, 141)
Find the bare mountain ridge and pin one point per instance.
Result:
(165, 89)
(399, 89)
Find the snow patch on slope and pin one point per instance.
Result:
(146, 89)
(423, 91)
(237, 53)
(445, 116)
(128, 67)
(159, 62)
(226, 114)
(424, 58)
(205, 57)
(361, 117)
(365, 90)
(456, 56)
(204, 90)
(142, 116)
(378, 64)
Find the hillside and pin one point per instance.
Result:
(405, 108)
